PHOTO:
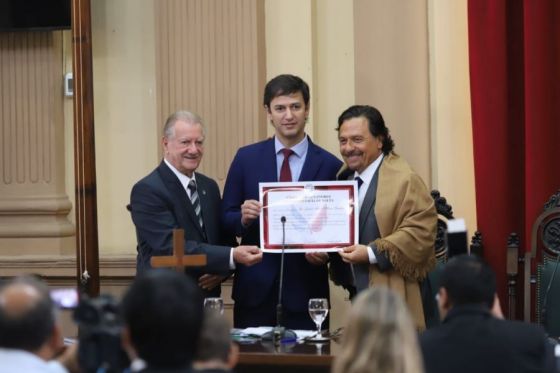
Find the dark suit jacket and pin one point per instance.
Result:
(367, 227)
(470, 340)
(257, 163)
(159, 203)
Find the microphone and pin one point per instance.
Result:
(279, 333)
(545, 299)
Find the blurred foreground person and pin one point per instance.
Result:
(30, 334)
(379, 336)
(216, 353)
(162, 314)
(472, 337)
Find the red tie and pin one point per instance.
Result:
(285, 173)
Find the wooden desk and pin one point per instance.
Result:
(305, 357)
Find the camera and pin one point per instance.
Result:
(99, 335)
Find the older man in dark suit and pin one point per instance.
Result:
(175, 196)
(471, 338)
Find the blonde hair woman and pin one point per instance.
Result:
(379, 336)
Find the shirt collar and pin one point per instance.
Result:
(184, 179)
(368, 173)
(299, 149)
(467, 309)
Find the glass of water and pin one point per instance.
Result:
(214, 305)
(318, 310)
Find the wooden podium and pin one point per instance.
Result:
(299, 358)
(178, 260)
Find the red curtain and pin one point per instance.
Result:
(514, 56)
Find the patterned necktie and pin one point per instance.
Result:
(285, 172)
(195, 202)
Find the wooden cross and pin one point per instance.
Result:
(178, 260)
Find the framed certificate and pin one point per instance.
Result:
(308, 216)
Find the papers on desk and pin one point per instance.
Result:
(259, 331)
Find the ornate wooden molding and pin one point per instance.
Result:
(65, 266)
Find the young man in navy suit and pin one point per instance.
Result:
(255, 289)
(175, 196)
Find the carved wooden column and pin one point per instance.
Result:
(87, 250)
(33, 203)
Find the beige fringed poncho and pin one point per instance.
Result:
(407, 221)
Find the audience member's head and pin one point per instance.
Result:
(466, 280)
(215, 347)
(27, 318)
(162, 312)
(379, 336)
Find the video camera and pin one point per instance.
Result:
(99, 335)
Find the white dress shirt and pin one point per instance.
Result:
(12, 360)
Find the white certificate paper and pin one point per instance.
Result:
(318, 216)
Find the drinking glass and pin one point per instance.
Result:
(214, 305)
(318, 310)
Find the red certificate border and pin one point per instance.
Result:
(269, 189)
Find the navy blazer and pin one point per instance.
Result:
(159, 203)
(257, 163)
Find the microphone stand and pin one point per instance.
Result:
(279, 333)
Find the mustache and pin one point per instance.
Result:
(349, 154)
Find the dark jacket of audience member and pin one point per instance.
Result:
(471, 338)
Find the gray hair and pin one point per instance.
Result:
(215, 340)
(181, 115)
(28, 324)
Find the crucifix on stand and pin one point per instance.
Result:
(178, 260)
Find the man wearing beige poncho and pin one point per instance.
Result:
(397, 221)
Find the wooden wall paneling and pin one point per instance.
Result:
(211, 60)
(33, 203)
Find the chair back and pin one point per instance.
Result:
(430, 286)
(542, 287)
